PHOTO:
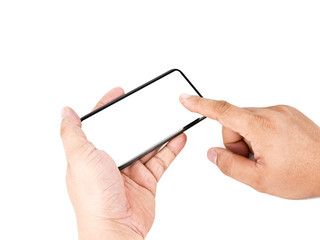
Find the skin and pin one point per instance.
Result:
(284, 142)
(111, 204)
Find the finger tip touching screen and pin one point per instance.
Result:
(143, 119)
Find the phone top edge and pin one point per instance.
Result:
(137, 89)
(127, 94)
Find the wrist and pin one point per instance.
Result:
(102, 230)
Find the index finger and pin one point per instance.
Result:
(109, 96)
(228, 115)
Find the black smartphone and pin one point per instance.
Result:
(143, 119)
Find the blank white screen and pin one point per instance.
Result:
(141, 120)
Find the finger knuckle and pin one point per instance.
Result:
(172, 151)
(226, 166)
(199, 101)
(222, 107)
(264, 121)
(284, 109)
(281, 114)
(161, 163)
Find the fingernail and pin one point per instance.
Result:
(64, 113)
(185, 96)
(212, 155)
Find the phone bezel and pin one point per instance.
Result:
(159, 144)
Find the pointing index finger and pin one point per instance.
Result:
(228, 115)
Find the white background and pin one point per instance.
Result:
(56, 53)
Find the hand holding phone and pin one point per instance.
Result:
(109, 203)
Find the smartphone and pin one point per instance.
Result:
(143, 119)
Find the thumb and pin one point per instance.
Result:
(235, 166)
(71, 133)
